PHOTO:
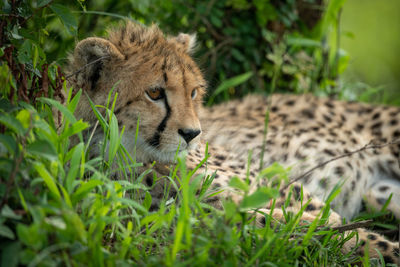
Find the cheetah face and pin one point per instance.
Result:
(159, 87)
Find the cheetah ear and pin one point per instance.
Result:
(90, 55)
(188, 41)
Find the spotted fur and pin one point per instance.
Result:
(160, 86)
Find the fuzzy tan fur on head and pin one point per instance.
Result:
(141, 63)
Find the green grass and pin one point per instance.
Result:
(63, 208)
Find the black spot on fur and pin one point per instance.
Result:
(310, 207)
(376, 126)
(370, 169)
(371, 237)
(381, 200)
(329, 152)
(329, 104)
(149, 181)
(274, 108)
(388, 259)
(376, 116)
(396, 134)
(393, 122)
(310, 142)
(299, 156)
(383, 245)
(296, 192)
(359, 127)
(262, 221)
(250, 135)
(349, 165)
(289, 103)
(285, 144)
(217, 163)
(323, 183)
(353, 185)
(220, 157)
(339, 171)
(308, 113)
(327, 118)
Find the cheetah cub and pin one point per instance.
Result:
(159, 85)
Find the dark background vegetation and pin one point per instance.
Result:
(53, 213)
(287, 46)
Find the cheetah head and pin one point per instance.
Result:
(158, 85)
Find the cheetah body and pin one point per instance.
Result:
(306, 131)
(161, 88)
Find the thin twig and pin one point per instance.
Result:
(352, 226)
(88, 64)
(367, 146)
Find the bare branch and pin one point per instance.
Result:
(85, 66)
(370, 145)
(352, 226)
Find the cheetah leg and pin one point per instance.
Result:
(379, 193)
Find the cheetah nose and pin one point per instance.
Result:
(189, 134)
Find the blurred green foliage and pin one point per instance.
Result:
(285, 41)
(372, 38)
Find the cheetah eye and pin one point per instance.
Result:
(194, 93)
(156, 93)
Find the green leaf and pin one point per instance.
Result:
(48, 179)
(232, 82)
(275, 169)
(303, 42)
(30, 236)
(258, 199)
(41, 3)
(8, 142)
(51, 102)
(74, 102)
(237, 183)
(7, 212)
(78, 151)
(66, 17)
(114, 138)
(57, 222)
(6, 232)
(133, 204)
(24, 118)
(12, 123)
(147, 201)
(75, 128)
(25, 52)
(43, 148)
(84, 189)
